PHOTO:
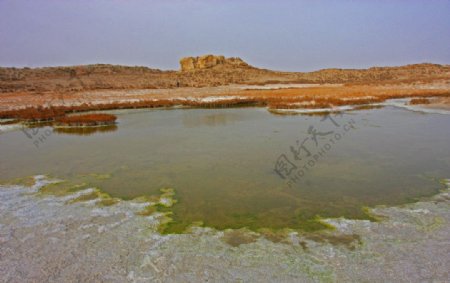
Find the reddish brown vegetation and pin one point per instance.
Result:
(314, 97)
(87, 120)
(419, 101)
(325, 102)
(326, 97)
(85, 131)
(33, 114)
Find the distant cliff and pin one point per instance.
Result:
(209, 61)
(207, 70)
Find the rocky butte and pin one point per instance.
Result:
(209, 61)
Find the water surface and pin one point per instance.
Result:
(221, 162)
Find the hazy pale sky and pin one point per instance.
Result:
(282, 35)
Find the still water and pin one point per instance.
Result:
(221, 162)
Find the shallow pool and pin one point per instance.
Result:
(246, 167)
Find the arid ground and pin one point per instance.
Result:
(215, 81)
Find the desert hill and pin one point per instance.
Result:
(207, 70)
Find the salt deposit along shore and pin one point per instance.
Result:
(54, 238)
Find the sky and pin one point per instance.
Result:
(279, 35)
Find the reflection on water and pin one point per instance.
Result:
(220, 163)
(214, 119)
(84, 131)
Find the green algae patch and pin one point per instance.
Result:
(326, 234)
(370, 215)
(252, 222)
(167, 197)
(62, 188)
(172, 227)
(323, 224)
(143, 199)
(104, 198)
(161, 204)
(25, 181)
(85, 197)
(67, 187)
(108, 201)
(190, 229)
(165, 222)
(147, 211)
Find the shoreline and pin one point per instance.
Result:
(280, 99)
(50, 228)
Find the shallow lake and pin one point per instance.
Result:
(246, 167)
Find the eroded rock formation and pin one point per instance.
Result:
(209, 61)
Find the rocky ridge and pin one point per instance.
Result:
(202, 71)
(209, 61)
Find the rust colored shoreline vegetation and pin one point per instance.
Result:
(33, 114)
(86, 120)
(415, 101)
(273, 99)
(58, 113)
(106, 85)
(85, 131)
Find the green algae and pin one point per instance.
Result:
(161, 204)
(62, 188)
(85, 197)
(147, 211)
(371, 215)
(147, 198)
(315, 228)
(165, 221)
(68, 188)
(108, 201)
(72, 185)
(167, 198)
(25, 181)
(104, 199)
